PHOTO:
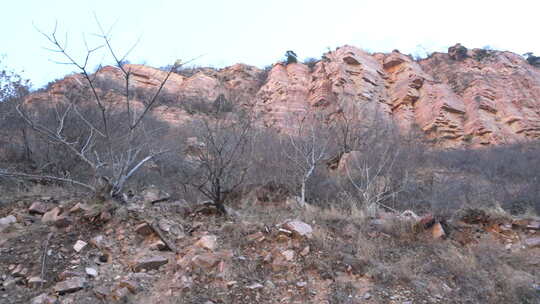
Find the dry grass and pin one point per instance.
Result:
(480, 273)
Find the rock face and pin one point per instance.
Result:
(499, 92)
(460, 98)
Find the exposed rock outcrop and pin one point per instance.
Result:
(464, 97)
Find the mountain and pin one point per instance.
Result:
(460, 98)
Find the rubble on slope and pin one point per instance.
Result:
(223, 260)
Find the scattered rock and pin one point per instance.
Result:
(534, 225)
(285, 231)
(207, 242)
(149, 263)
(34, 282)
(279, 264)
(305, 251)
(409, 214)
(159, 245)
(102, 292)
(6, 221)
(532, 242)
(70, 285)
(131, 285)
(91, 272)
(521, 223)
(426, 221)
(120, 294)
(269, 284)
(19, 271)
(51, 216)
(153, 195)
(100, 242)
(299, 228)
(62, 222)
(288, 254)
(44, 299)
(106, 216)
(79, 245)
(258, 237)
(505, 227)
(68, 274)
(255, 286)
(38, 208)
(354, 264)
(205, 261)
(10, 282)
(165, 225)
(144, 229)
(437, 231)
(301, 284)
(80, 207)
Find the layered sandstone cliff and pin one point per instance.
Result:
(463, 97)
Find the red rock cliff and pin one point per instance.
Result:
(463, 97)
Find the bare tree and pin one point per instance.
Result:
(12, 85)
(308, 146)
(113, 152)
(13, 88)
(219, 155)
(373, 168)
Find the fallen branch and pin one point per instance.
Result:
(160, 200)
(46, 177)
(44, 259)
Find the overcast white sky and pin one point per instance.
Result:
(259, 32)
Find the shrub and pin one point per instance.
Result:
(481, 54)
(111, 149)
(291, 57)
(218, 162)
(12, 85)
(532, 60)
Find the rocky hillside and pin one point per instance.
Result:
(65, 249)
(221, 212)
(464, 97)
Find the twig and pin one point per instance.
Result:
(160, 200)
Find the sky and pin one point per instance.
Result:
(222, 33)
